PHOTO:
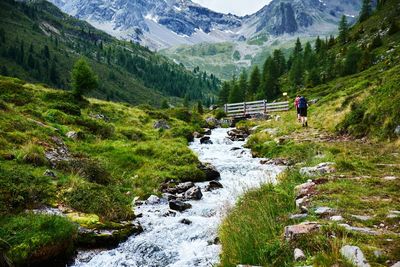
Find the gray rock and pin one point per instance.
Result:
(161, 124)
(210, 171)
(397, 264)
(183, 187)
(362, 217)
(278, 118)
(197, 135)
(72, 135)
(213, 185)
(322, 168)
(194, 193)
(354, 255)
(186, 221)
(292, 231)
(393, 214)
(397, 130)
(50, 173)
(212, 122)
(299, 255)
(378, 253)
(322, 211)
(179, 205)
(298, 216)
(153, 200)
(271, 131)
(207, 131)
(301, 201)
(336, 218)
(205, 140)
(303, 189)
(390, 178)
(364, 230)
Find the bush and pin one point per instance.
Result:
(219, 114)
(133, 134)
(33, 154)
(90, 169)
(96, 127)
(19, 189)
(12, 92)
(185, 132)
(57, 116)
(67, 108)
(182, 114)
(110, 203)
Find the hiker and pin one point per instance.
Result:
(296, 105)
(303, 106)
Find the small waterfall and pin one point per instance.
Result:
(165, 240)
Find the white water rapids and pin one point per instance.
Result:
(167, 242)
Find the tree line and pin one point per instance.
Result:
(308, 65)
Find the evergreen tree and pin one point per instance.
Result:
(270, 83)
(280, 61)
(236, 94)
(164, 104)
(309, 59)
(343, 30)
(46, 51)
(366, 10)
(318, 45)
(353, 56)
(53, 73)
(31, 61)
(186, 101)
(4, 71)
(200, 109)
(223, 97)
(83, 78)
(2, 35)
(296, 73)
(313, 77)
(243, 85)
(298, 49)
(254, 83)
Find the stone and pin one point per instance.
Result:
(235, 148)
(161, 124)
(378, 253)
(397, 130)
(362, 217)
(304, 189)
(390, 178)
(194, 193)
(207, 131)
(227, 141)
(298, 216)
(364, 230)
(213, 107)
(213, 185)
(50, 173)
(197, 135)
(393, 214)
(212, 122)
(179, 205)
(320, 169)
(205, 140)
(72, 135)
(292, 231)
(397, 264)
(100, 117)
(153, 200)
(186, 221)
(278, 118)
(237, 135)
(271, 131)
(299, 255)
(57, 154)
(210, 171)
(323, 211)
(183, 187)
(336, 218)
(301, 201)
(354, 255)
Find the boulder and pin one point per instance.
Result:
(207, 131)
(213, 185)
(397, 130)
(323, 211)
(205, 140)
(186, 221)
(293, 231)
(397, 264)
(183, 187)
(179, 205)
(299, 255)
(72, 135)
(161, 124)
(50, 173)
(237, 135)
(153, 200)
(304, 189)
(197, 135)
(363, 230)
(210, 171)
(212, 122)
(337, 218)
(194, 193)
(354, 255)
(320, 169)
(57, 154)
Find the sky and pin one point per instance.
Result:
(237, 7)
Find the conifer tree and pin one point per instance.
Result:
(243, 85)
(200, 109)
(83, 78)
(270, 83)
(236, 94)
(353, 57)
(223, 96)
(280, 61)
(186, 101)
(164, 104)
(366, 10)
(343, 30)
(254, 82)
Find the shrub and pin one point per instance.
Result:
(107, 202)
(185, 132)
(182, 114)
(12, 92)
(57, 116)
(90, 169)
(33, 154)
(67, 108)
(97, 127)
(133, 134)
(219, 114)
(19, 189)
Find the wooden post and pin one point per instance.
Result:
(265, 106)
(226, 108)
(244, 111)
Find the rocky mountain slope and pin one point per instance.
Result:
(161, 24)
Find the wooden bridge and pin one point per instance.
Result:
(248, 109)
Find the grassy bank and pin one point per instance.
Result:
(114, 154)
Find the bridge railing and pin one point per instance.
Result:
(255, 107)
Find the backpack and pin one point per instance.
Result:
(302, 102)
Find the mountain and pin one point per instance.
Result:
(40, 43)
(163, 24)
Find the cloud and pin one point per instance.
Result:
(237, 7)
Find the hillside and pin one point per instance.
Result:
(88, 158)
(39, 43)
(341, 186)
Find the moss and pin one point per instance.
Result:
(85, 220)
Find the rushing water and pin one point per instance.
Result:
(167, 242)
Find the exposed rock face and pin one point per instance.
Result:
(292, 231)
(57, 154)
(194, 193)
(320, 169)
(161, 124)
(179, 205)
(210, 171)
(354, 255)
